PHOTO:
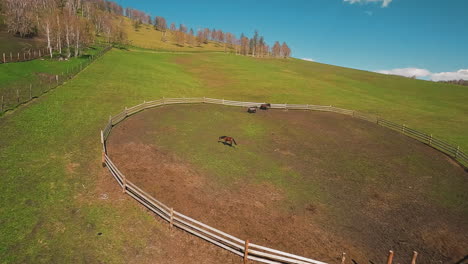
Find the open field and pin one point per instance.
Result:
(309, 183)
(59, 198)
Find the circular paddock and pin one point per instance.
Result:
(310, 183)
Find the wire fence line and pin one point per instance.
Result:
(243, 248)
(13, 97)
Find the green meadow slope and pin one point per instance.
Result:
(52, 204)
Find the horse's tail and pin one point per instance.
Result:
(233, 140)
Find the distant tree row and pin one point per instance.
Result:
(70, 25)
(181, 35)
(255, 46)
(459, 82)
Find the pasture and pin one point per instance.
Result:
(309, 183)
(62, 206)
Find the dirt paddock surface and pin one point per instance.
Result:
(350, 186)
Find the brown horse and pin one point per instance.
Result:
(265, 106)
(227, 140)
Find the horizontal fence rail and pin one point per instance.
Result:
(228, 242)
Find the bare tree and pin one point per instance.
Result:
(244, 45)
(285, 51)
(160, 23)
(276, 49)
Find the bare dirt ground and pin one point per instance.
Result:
(362, 215)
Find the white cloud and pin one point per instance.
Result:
(385, 3)
(307, 59)
(461, 74)
(448, 76)
(407, 72)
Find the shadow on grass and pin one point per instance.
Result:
(226, 144)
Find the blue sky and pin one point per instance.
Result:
(426, 38)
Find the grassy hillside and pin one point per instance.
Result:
(10, 43)
(147, 37)
(58, 198)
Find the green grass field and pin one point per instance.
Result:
(50, 151)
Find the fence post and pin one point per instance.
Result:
(103, 154)
(17, 95)
(430, 140)
(171, 223)
(204, 99)
(124, 184)
(458, 150)
(24, 56)
(4, 60)
(40, 53)
(18, 57)
(415, 255)
(403, 128)
(246, 252)
(223, 100)
(56, 78)
(390, 257)
(11, 56)
(343, 258)
(30, 91)
(126, 113)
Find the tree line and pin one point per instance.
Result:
(255, 46)
(181, 35)
(71, 25)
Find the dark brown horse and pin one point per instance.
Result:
(265, 106)
(227, 140)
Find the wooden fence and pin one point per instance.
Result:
(31, 54)
(243, 248)
(21, 93)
